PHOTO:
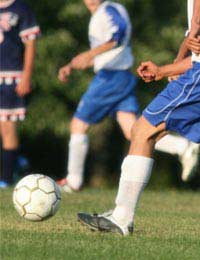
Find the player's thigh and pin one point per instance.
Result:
(9, 134)
(78, 126)
(8, 128)
(126, 121)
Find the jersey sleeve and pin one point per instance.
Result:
(116, 25)
(28, 27)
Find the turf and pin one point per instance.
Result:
(167, 226)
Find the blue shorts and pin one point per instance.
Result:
(12, 107)
(109, 92)
(178, 105)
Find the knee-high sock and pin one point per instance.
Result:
(78, 148)
(172, 144)
(8, 163)
(136, 171)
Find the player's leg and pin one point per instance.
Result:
(136, 171)
(172, 144)
(106, 90)
(127, 109)
(10, 145)
(173, 110)
(180, 113)
(78, 148)
(187, 151)
(126, 121)
(12, 110)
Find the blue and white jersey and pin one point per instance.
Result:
(195, 58)
(17, 24)
(111, 22)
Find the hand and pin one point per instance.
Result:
(64, 73)
(82, 61)
(149, 71)
(193, 44)
(24, 87)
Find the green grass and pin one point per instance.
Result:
(167, 226)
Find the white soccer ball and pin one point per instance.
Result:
(36, 197)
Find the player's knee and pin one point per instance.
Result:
(136, 135)
(140, 135)
(73, 126)
(78, 127)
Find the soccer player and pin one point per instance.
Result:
(111, 92)
(176, 108)
(18, 31)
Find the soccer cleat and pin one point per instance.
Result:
(104, 223)
(4, 185)
(64, 186)
(189, 161)
(91, 220)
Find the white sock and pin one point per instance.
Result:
(172, 144)
(136, 171)
(78, 148)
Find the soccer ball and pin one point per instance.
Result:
(36, 197)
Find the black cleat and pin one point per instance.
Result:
(104, 223)
(89, 220)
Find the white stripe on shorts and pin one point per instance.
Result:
(182, 92)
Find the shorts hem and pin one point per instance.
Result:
(12, 114)
(169, 128)
(135, 111)
(90, 122)
(155, 121)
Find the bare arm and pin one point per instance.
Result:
(29, 59)
(149, 71)
(102, 48)
(183, 51)
(24, 87)
(177, 68)
(193, 40)
(195, 24)
(182, 54)
(84, 60)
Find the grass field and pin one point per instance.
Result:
(167, 226)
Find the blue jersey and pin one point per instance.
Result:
(111, 22)
(17, 24)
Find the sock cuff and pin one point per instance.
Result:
(79, 138)
(137, 168)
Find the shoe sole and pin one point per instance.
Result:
(92, 228)
(113, 229)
